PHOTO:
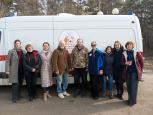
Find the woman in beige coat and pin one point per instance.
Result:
(46, 70)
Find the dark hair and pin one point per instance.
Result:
(17, 40)
(108, 47)
(129, 42)
(46, 43)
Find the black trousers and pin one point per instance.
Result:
(132, 87)
(20, 82)
(119, 82)
(16, 87)
(94, 80)
(80, 73)
(15, 92)
(31, 80)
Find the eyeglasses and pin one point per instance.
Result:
(93, 45)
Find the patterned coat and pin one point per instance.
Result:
(79, 58)
(46, 69)
(12, 65)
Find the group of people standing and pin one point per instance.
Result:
(116, 63)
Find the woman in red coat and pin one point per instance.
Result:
(133, 67)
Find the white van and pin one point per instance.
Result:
(104, 29)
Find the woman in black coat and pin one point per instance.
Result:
(118, 68)
(32, 64)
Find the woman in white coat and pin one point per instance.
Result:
(46, 70)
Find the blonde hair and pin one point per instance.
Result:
(117, 42)
(27, 46)
(93, 42)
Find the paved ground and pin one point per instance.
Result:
(81, 106)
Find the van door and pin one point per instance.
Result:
(3, 56)
(1, 46)
(0, 36)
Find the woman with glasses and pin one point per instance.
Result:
(46, 70)
(95, 65)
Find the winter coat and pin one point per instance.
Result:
(117, 60)
(12, 65)
(95, 62)
(61, 60)
(108, 63)
(79, 57)
(138, 59)
(46, 69)
(32, 60)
